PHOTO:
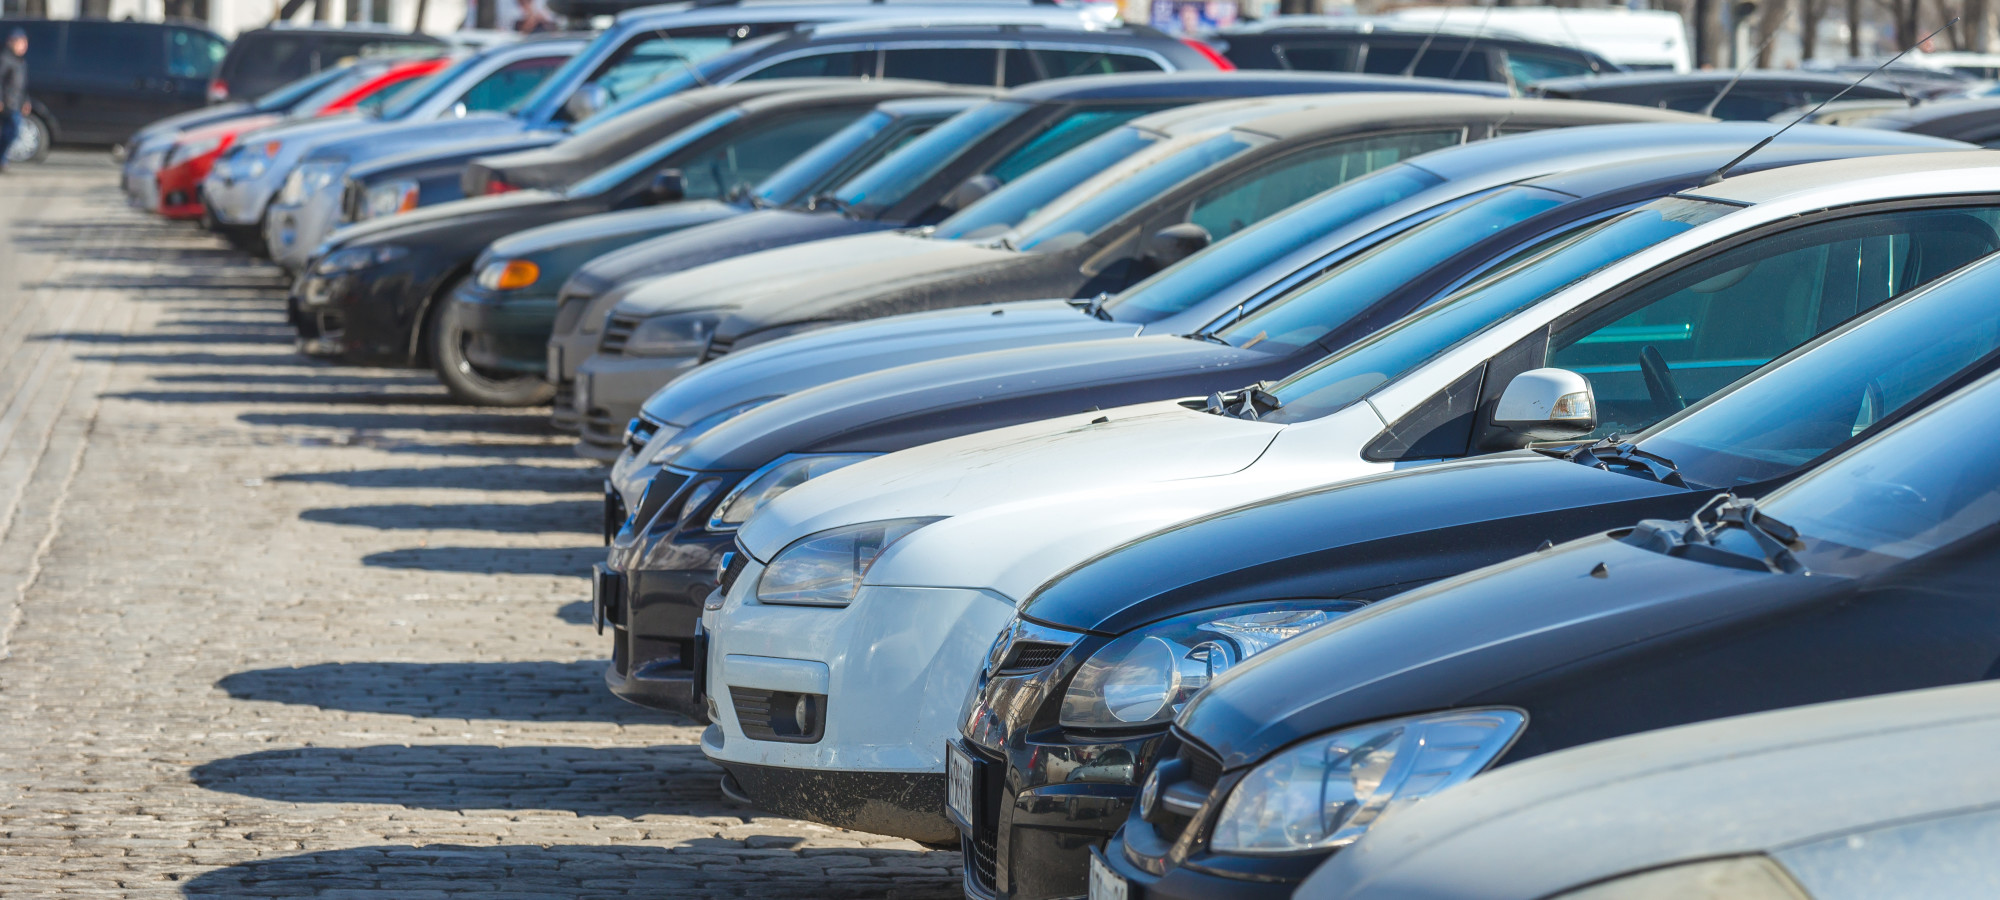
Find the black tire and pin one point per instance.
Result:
(446, 340)
(32, 144)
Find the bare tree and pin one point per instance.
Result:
(1811, 13)
(1770, 18)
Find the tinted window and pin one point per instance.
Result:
(426, 88)
(1065, 135)
(509, 86)
(1736, 106)
(998, 212)
(886, 183)
(292, 93)
(272, 58)
(753, 155)
(951, 65)
(191, 54)
(643, 62)
(1321, 56)
(1276, 185)
(1442, 59)
(840, 64)
(1528, 67)
(106, 50)
(1070, 63)
(1686, 336)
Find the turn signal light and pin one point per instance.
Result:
(517, 274)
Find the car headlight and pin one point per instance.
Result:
(772, 481)
(1147, 676)
(678, 334)
(184, 152)
(257, 160)
(354, 259)
(307, 179)
(826, 569)
(671, 440)
(389, 198)
(509, 275)
(1329, 790)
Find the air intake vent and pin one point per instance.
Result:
(617, 330)
(1031, 656)
(658, 494)
(779, 715)
(1204, 770)
(639, 431)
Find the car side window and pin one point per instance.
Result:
(1682, 338)
(1062, 137)
(643, 62)
(950, 65)
(1231, 207)
(752, 155)
(191, 54)
(839, 64)
(1441, 59)
(511, 84)
(109, 50)
(1530, 67)
(1070, 63)
(1738, 105)
(1320, 56)
(274, 58)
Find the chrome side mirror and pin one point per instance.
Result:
(969, 192)
(1546, 405)
(1174, 243)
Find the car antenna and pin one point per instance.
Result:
(1709, 110)
(1411, 69)
(693, 72)
(1723, 172)
(1477, 30)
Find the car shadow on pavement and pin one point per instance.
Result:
(546, 479)
(433, 395)
(490, 560)
(695, 870)
(530, 691)
(575, 613)
(384, 421)
(578, 516)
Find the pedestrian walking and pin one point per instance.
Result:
(13, 91)
(533, 20)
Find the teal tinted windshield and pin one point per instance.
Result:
(427, 88)
(997, 213)
(1348, 376)
(1203, 275)
(1082, 216)
(789, 184)
(886, 183)
(1356, 285)
(654, 156)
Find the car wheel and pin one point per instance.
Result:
(32, 144)
(467, 382)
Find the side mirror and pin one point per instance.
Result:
(458, 110)
(586, 101)
(667, 187)
(1546, 405)
(1174, 243)
(969, 192)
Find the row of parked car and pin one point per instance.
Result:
(1151, 479)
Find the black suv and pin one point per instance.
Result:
(1382, 49)
(96, 82)
(268, 57)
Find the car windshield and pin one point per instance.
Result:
(1912, 490)
(790, 184)
(998, 213)
(661, 68)
(611, 176)
(289, 94)
(886, 183)
(350, 77)
(1234, 258)
(1345, 377)
(1356, 285)
(426, 88)
(1084, 213)
(1797, 409)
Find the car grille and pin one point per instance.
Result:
(768, 715)
(569, 311)
(737, 561)
(1029, 656)
(617, 330)
(658, 494)
(1203, 768)
(718, 347)
(639, 431)
(988, 791)
(979, 860)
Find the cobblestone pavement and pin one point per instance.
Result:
(272, 628)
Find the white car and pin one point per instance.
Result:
(861, 605)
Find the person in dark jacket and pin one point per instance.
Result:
(13, 91)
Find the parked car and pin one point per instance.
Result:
(97, 82)
(1973, 121)
(1756, 95)
(260, 176)
(507, 312)
(1096, 220)
(921, 184)
(1889, 794)
(1392, 242)
(1068, 687)
(377, 295)
(958, 531)
(262, 59)
(1392, 48)
(1867, 576)
(142, 154)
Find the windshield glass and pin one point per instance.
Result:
(1234, 258)
(789, 184)
(1356, 285)
(660, 68)
(886, 183)
(426, 88)
(651, 157)
(1081, 215)
(997, 213)
(1345, 377)
(1795, 410)
(349, 78)
(289, 94)
(1911, 490)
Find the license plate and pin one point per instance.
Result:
(1104, 883)
(604, 590)
(958, 776)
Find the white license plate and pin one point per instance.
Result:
(1104, 883)
(958, 782)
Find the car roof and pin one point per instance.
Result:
(369, 28)
(1805, 142)
(917, 106)
(1360, 109)
(1226, 84)
(858, 89)
(1721, 788)
(1643, 79)
(1843, 175)
(835, 10)
(1939, 111)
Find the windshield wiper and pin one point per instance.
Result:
(1093, 306)
(1208, 336)
(1251, 403)
(1694, 538)
(832, 202)
(1617, 451)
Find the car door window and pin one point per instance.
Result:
(1231, 207)
(510, 85)
(950, 65)
(109, 52)
(1321, 56)
(191, 54)
(1686, 336)
(1071, 63)
(753, 154)
(1739, 105)
(840, 64)
(1443, 58)
(1525, 68)
(643, 62)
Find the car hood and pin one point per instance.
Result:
(427, 155)
(428, 218)
(808, 274)
(371, 139)
(612, 225)
(802, 361)
(1443, 645)
(194, 118)
(1366, 529)
(899, 408)
(747, 233)
(310, 134)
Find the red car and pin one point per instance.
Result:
(196, 151)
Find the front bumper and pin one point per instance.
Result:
(177, 189)
(511, 330)
(292, 232)
(566, 352)
(363, 317)
(609, 391)
(140, 178)
(885, 679)
(239, 201)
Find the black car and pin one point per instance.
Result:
(921, 184)
(1040, 713)
(1756, 96)
(96, 82)
(1869, 575)
(265, 58)
(1387, 49)
(368, 299)
(1975, 121)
